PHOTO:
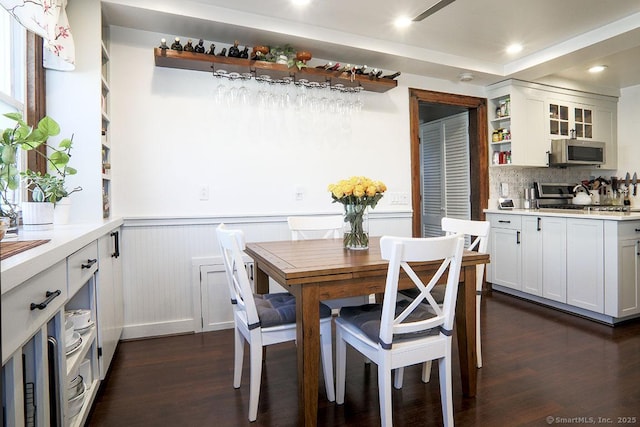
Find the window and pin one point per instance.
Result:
(12, 79)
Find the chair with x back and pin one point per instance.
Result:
(262, 320)
(322, 227)
(405, 332)
(478, 235)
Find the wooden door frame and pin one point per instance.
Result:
(478, 150)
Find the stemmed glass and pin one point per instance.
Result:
(221, 89)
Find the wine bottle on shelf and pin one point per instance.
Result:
(199, 47)
(176, 45)
(163, 44)
(189, 46)
(335, 67)
(361, 70)
(391, 76)
(325, 66)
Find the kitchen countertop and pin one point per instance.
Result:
(570, 213)
(64, 240)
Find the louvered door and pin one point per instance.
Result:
(445, 172)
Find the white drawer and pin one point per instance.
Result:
(19, 320)
(512, 222)
(82, 264)
(629, 230)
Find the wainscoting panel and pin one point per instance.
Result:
(161, 290)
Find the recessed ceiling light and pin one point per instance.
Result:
(514, 48)
(402, 22)
(597, 69)
(301, 2)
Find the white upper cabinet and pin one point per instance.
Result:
(524, 118)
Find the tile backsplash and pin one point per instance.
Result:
(517, 179)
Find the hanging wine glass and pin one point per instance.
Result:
(221, 88)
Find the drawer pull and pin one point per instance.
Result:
(637, 230)
(89, 263)
(50, 296)
(503, 221)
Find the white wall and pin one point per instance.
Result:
(170, 138)
(629, 135)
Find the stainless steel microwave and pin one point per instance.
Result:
(568, 152)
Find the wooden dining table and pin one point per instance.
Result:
(316, 270)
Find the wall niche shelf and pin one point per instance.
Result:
(210, 63)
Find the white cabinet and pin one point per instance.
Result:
(590, 266)
(31, 312)
(213, 300)
(524, 117)
(516, 117)
(543, 257)
(40, 358)
(588, 117)
(554, 262)
(82, 348)
(622, 268)
(532, 255)
(585, 264)
(110, 298)
(505, 251)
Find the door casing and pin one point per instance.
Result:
(478, 149)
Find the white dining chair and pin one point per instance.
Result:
(262, 320)
(323, 227)
(478, 234)
(404, 332)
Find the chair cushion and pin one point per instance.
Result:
(437, 293)
(367, 319)
(279, 309)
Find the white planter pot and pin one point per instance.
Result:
(62, 211)
(37, 215)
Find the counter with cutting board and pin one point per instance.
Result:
(582, 261)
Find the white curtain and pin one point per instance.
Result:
(48, 19)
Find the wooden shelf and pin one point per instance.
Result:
(210, 63)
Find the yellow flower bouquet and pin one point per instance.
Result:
(357, 194)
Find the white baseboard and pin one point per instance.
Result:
(157, 329)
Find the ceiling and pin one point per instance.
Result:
(561, 38)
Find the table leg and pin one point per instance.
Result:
(261, 280)
(308, 347)
(466, 330)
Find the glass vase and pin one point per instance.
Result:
(356, 227)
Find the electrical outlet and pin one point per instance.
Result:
(204, 192)
(299, 193)
(403, 198)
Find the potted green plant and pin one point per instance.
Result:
(47, 188)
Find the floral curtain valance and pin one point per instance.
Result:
(48, 19)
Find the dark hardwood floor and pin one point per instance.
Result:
(541, 367)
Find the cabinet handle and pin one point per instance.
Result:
(116, 237)
(504, 221)
(517, 237)
(637, 230)
(50, 296)
(539, 225)
(89, 263)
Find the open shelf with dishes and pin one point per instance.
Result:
(212, 63)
